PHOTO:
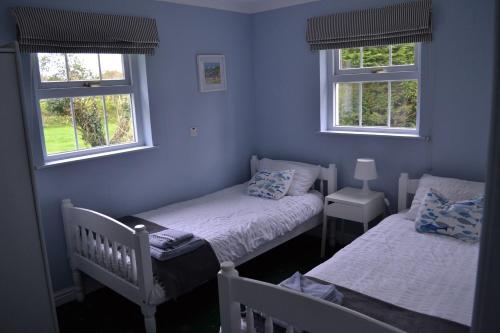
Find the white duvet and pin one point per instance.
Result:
(425, 273)
(235, 223)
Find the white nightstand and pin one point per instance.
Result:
(354, 205)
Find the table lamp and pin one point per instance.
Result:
(365, 170)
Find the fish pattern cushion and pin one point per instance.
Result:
(270, 184)
(459, 219)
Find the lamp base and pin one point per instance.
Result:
(366, 188)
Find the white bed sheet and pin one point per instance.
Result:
(235, 223)
(425, 273)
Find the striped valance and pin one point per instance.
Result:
(402, 23)
(61, 31)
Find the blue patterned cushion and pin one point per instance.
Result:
(460, 219)
(270, 184)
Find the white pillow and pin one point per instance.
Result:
(452, 188)
(303, 179)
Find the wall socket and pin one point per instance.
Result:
(193, 131)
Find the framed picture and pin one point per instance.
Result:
(212, 72)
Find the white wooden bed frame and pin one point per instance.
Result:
(124, 262)
(296, 309)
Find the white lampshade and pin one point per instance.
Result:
(365, 169)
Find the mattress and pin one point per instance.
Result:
(235, 223)
(425, 273)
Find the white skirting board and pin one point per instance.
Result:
(64, 296)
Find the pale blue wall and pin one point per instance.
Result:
(456, 95)
(182, 167)
(271, 106)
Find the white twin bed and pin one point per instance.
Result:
(425, 273)
(237, 226)
(428, 279)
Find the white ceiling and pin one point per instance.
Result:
(242, 6)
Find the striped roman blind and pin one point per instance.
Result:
(401, 23)
(61, 31)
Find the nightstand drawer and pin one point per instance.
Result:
(343, 211)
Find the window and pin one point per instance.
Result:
(372, 89)
(86, 103)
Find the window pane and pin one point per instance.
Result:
(376, 56)
(348, 104)
(112, 66)
(404, 104)
(57, 125)
(350, 58)
(83, 67)
(89, 119)
(375, 104)
(120, 122)
(403, 54)
(52, 67)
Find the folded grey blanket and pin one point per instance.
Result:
(177, 250)
(168, 238)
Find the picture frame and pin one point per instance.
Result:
(211, 72)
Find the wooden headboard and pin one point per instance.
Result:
(328, 175)
(406, 187)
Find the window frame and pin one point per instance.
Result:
(72, 89)
(331, 74)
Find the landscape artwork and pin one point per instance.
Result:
(212, 73)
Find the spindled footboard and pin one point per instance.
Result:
(295, 310)
(111, 253)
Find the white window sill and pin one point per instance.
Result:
(93, 156)
(378, 134)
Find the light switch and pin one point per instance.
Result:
(194, 131)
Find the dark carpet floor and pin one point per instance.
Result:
(197, 311)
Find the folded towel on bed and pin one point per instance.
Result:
(168, 238)
(177, 250)
(182, 270)
(300, 283)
